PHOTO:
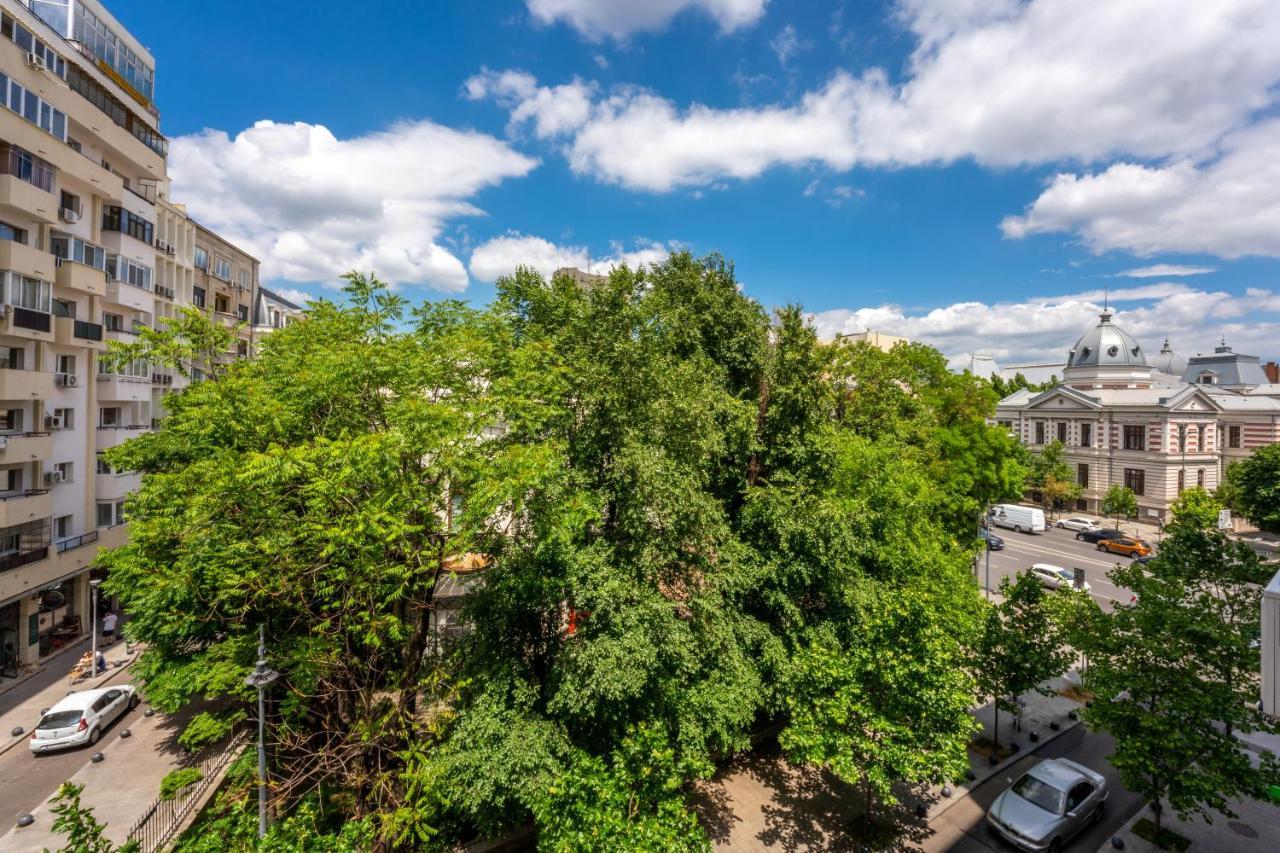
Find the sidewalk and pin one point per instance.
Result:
(21, 706)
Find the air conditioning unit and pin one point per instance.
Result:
(72, 380)
(35, 60)
(53, 421)
(69, 214)
(54, 476)
(65, 379)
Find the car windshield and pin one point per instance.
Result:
(1034, 791)
(1066, 575)
(59, 720)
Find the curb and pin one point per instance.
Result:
(963, 790)
(4, 748)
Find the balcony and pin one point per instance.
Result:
(21, 507)
(113, 436)
(25, 447)
(26, 260)
(25, 384)
(130, 296)
(25, 323)
(117, 388)
(114, 487)
(77, 541)
(81, 277)
(28, 199)
(68, 331)
(227, 319)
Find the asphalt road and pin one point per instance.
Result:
(27, 780)
(965, 825)
(1059, 548)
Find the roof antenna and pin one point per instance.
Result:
(1106, 297)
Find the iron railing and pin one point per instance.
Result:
(161, 820)
(77, 541)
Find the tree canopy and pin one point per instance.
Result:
(673, 516)
(1253, 487)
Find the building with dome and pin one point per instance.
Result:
(1157, 425)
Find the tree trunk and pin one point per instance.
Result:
(866, 814)
(1157, 811)
(995, 728)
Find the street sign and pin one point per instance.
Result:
(1224, 519)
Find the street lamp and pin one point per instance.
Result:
(93, 626)
(261, 677)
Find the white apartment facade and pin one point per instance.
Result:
(1158, 427)
(90, 251)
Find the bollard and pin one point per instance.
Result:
(1055, 725)
(1034, 737)
(96, 757)
(17, 731)
(126, 733)
(26, 820)
(946, 791)
(1117, 842)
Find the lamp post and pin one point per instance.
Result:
(261, 677)
(93, 625)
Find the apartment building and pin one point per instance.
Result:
(1157, 426)
(272, 311)
(91, 251)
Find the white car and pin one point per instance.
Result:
(81, 717)
(1078, 524)
(1056, 577)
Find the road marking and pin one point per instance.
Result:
(1059, 555)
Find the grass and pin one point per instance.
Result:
(1167, 839)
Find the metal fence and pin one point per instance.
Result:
(159, 824)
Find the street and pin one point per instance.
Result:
(963, 827)
(1059, 548)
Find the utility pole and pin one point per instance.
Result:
(261, 678)
(93, 626)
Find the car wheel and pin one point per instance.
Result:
(94, 734)
(1017, 529)
(133, 701)
(1055, 846)
(1102, 547)
(1097, 813)
(1061, 526)
(1079, 537)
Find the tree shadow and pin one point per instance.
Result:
(714, 808)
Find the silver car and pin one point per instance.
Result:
(1050, 804)
(1076, 523)
(81, 717)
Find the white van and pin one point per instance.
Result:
(1019, 519)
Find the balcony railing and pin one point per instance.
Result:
(25, 318)
(77, 541)
(27, 493)
(125, 426)
(23, 558)
(88, 331)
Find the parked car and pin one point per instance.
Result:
(994, 542)
(1056, 577)
(1049, 805)
(1020, 519)
(1077, 523)
(1097, 534)
(81, 717)
(1127, 546)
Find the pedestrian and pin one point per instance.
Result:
(102, 661)
(109, 628)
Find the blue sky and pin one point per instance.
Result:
(967, 172)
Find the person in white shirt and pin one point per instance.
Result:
(109, 628)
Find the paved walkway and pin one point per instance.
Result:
(761, 802)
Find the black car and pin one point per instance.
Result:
(994, 542)
(1096, 536)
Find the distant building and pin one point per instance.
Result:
(1125, 420)
(1037, 373)
(583, 279)
(879, 340)
(272, 311)
(983, 366)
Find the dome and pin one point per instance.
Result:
(1168, 361)
(1106, 345)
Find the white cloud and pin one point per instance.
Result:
(1044, 329)
(311, 206)
(552, 110)
(1122, 294)
(501, 255)
(596, 19)
(1004, 83)
(1228, 206)
(787, 43)
(294, 295)
(1162, 270)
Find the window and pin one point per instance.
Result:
(13, 233)
(1233, 436)
(197, 297)
(1201, 447)
(1039, 432)
(222, 268)
(1136, 480)
(62, 526)
(66, 364)
(221, 304)
(54, 12)
(1078, 795)
(242, 311)
(106, 515)
(64, 469)
(11, 358)
(1086, 435)
(244, 279)
(1082, 475)
(1062, 431)
(202, 259)
(30, 293)
(13, 480)
(104, 43)
(109, 416)
(116, 218)
(112, 322)
(32, 108)
(1182, 438)
(71, 201)
(103, 467)
(89, 89)
(67, 416)
(26, 166)
(128, 271)
(1200, 478)
(74, 249)
(1135, 437)
(1208, 377)
(10, 420)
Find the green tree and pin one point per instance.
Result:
(1119, 501)
(1176, 675)
(1021, 646)
(1052, 476)
(1254, 487)
(83, 832)
(1195, 508)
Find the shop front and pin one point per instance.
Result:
(9, 616)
